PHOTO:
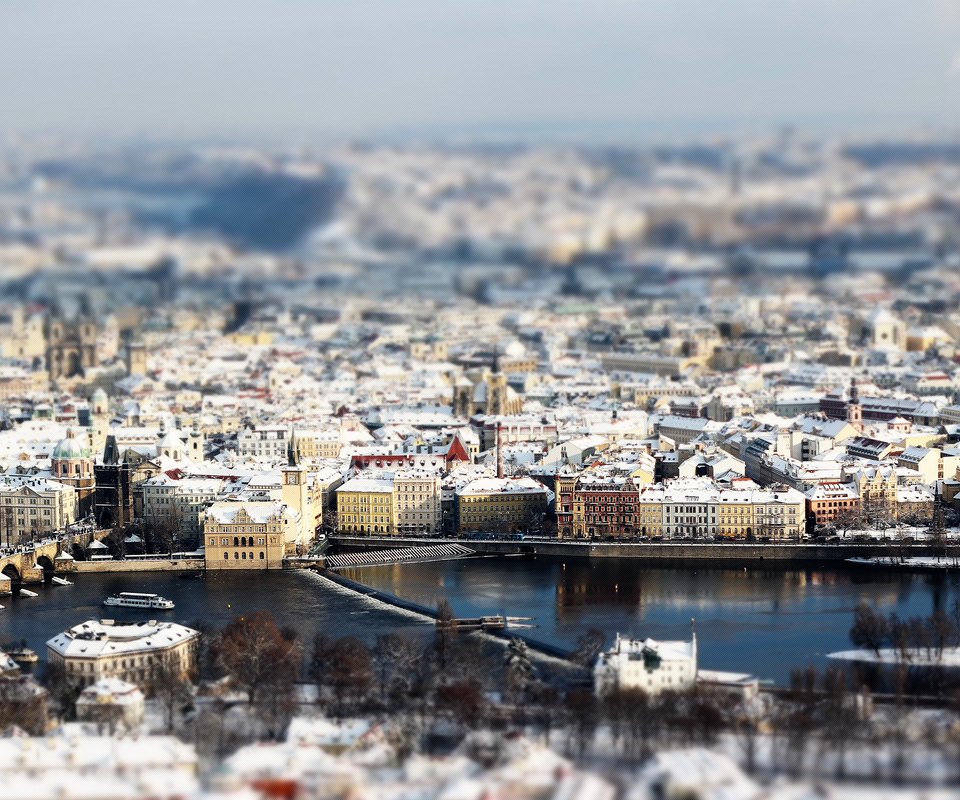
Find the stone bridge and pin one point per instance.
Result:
(37, 562)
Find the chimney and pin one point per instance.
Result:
(499, 452)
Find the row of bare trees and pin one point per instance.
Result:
(908, 638)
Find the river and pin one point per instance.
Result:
(760, 620)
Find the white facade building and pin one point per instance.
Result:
(646, 664)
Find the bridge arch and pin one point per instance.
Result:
(46, 564)
(16, 579)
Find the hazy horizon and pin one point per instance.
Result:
(380, 69)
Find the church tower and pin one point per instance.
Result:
(854, 409)
(99, 421)
(136, 358)
(72, 463)
(196, 444)
(295, 495)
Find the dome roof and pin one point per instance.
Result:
(99, 394)
(71, 447)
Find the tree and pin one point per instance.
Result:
(581, 719)
(346, 666)
(464, 701)
(23, 703)
(445, 632)
(847, 519)
(938, 532)
(745, 720)
(171, 688)
(399, 659)
(256, 656)
(589, 645)
(870, 630)
(520, 670)
(641, 720)
(840, 721)
(63, 688)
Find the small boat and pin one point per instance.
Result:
(60, 581)
(27, 593)
(23, 655)
(139, 600)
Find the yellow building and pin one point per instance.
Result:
(366, 505)
(501, 505)
(312, 446)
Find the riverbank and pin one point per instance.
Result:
(665, 553)
(160, 565)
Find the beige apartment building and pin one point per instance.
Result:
(249, 534)
(31, 505)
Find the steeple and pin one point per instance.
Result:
(854, 409)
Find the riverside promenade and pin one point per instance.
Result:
(728, 553)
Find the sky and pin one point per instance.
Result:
(371, 68)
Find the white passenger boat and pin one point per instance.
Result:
(138, 600)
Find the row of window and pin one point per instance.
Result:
(238, 541)
(242, 556)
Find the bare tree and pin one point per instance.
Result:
(349, 671)
(589, 645)
(172, 688)
(63, 688)
(256, 656)
(398, 660)
(870, 630)
(463, 701)
(582, 717)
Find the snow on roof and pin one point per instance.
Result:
(523, 485)
(369, 485)
(93, 639)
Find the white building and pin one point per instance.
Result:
(417, 494)
(94, 650)
(646, 664)
(112, 703)
(172, 503)
(264, 443)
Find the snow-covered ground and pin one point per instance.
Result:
(917, 562)
(915, 657)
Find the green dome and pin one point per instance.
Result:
(71, 448)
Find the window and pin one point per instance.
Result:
(226, 556)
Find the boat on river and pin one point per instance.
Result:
(139, 600)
